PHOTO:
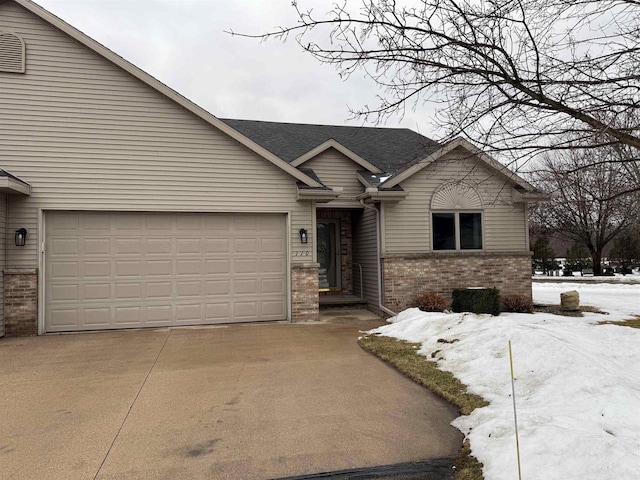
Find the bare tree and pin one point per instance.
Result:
(514, 76)
(591, 204)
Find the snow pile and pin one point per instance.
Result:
(577, 387)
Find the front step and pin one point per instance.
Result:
(346, 301)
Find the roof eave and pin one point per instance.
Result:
(375, 195)
(316, 195)
(14, 186)
(448, 147)
(530, 197)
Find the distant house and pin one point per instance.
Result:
(125, 205)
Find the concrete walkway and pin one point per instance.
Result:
(239, 402)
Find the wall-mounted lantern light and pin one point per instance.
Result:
(303, 236)
(21, 237)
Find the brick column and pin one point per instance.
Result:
(304, 292)
(20, 302)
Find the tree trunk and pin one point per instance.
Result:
(596, 259)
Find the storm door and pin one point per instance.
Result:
(328, 235)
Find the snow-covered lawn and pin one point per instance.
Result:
(577, 383)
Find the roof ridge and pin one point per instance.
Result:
(319, 125)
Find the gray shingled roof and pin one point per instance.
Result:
(389, 149)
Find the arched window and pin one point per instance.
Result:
(456, 218)
(12, 53)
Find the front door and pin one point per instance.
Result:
(328, 235)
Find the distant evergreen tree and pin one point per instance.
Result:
(544, 258)
(626, 251)
(578, 257)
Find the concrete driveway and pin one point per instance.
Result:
(239, 402)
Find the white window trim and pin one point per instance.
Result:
(456, 216)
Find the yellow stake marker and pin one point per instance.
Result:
(515, 415)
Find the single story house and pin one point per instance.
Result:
(125, 205)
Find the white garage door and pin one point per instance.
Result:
(128, 270)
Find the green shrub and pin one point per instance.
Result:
(517, 303)
(431, 302)
(476, 300)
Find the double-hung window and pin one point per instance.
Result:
(457, 230)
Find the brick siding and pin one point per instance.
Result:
(304, 292)
(20, 302)
(406, 277)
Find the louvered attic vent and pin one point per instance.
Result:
(12, 53)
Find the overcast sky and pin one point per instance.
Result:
(183, 44)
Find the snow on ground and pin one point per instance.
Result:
(621, 301)
(617, 278)
(577, 384)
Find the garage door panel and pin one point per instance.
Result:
(119, 270)
(128, 222)
(64, 293)
(191, 288)
(217, 245)
(189, 267)
(245, 287)
(128, 246)
(218, 267)
(62, 269)
(65, 246)
(159, 314)
(128, 290)
(97, 292)
(97, 317)
(218, 311)
(245, 245)
(159, 290)
(273, 309)
(217, 287)
(186, 223)
(163, 223)
(159, 267)
(95, 224)
(246, 265)
(96, 269)
(245, 310)
(272, 245)
(128, 316)
(128, 268)
(189, 313)
(64, 223)
(189, 245)
(218, 224)
(159, 246)
(64, 318)
(272, 286)
(275, 266)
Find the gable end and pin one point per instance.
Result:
(12, 53)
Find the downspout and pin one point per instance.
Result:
(379, 260)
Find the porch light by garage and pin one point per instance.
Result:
(21, 237)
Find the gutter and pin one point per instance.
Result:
(379, 260)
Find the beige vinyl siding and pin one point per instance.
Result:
(407, 223)
(3, 239)
(365, 252)
(87, 135)
(337, 170)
